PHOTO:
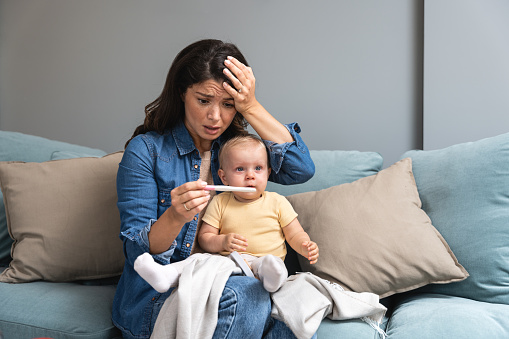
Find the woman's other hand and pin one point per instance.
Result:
(243, 94)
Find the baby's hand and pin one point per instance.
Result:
(234, 242)
(311, 248)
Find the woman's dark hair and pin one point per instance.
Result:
(198, 62)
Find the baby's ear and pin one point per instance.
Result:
(221, 175)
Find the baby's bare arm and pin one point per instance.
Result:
(299, 240)
(211, 241)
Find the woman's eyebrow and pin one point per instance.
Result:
(205, 95)
(211, 96)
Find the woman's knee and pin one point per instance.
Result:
(248, 291)
(244, 309)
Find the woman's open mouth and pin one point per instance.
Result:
(211, 129)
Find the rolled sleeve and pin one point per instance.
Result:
(140, 244)
(291, 162)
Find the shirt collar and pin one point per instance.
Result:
(184, 142)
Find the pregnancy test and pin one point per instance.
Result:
(229, 188)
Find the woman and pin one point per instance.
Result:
(208, 97)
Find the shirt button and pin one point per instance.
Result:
(195, 218)
(195, 166)
(188, 244)
(162, 201)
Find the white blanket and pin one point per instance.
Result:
(303, 301)
(191, 310)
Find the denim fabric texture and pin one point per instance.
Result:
(152, 166)
(244, 312)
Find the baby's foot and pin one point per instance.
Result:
(272, 273)
(160, 277)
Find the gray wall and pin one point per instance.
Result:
(350, 72)
(466, 71)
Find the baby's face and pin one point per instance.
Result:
(246, 166)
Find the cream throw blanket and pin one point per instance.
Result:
(303, 301)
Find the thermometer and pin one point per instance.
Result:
(229, 188)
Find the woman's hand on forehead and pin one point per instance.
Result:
(243, 80)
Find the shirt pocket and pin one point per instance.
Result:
(164, 198)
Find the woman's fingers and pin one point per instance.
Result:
(243, 82)
(241, 72)
(233, 91)
(241, 76)
(189, 186)
(190, 198)
(195, 205)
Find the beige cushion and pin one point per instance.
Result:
(63, 218)
(373, 235)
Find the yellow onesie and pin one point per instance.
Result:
(260, 221)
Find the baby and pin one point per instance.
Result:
(254, 224)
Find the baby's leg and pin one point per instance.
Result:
(271, 271)
(160, 277)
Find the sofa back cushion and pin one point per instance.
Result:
(374, 236)
(16, 146)
(465, 191)
(334, 168)
(63, 218)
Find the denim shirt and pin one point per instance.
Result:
(152, 166)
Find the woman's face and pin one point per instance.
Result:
(209, 110)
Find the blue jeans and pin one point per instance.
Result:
(244, 312)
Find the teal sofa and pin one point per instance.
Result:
(78, 309)
(464, 190)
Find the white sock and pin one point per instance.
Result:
(160, 277)
(271, 271)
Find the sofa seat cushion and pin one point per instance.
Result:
(441, 316)
(57, 310)
(348, 329)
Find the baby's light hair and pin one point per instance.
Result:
(240, 140)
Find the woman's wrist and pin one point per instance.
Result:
(163, 232)
(267, 127)
(253, 110)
